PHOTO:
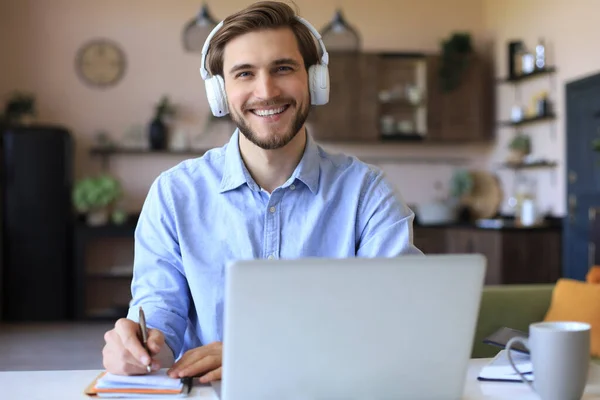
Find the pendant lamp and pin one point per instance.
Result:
(339, 35)
(197, 30)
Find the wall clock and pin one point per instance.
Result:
(100, 63)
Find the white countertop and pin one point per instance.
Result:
(70, 385)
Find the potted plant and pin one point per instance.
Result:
(20, 108)
(158, 127)
(520, 147)
(455, 52)
(596, 145)
(461, 184)
(94, 196)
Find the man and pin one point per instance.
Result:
(271, 192)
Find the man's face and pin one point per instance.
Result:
(267, 86)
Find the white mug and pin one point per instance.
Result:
(560, 357)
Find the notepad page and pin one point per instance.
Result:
(155, 380)
(500, 369)
(501, 365)
(140, 396)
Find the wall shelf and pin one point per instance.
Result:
(529, 120)
(532, 165)
(402, 103)
(106, 151)
(109, 275)
(109, 230)
(402, 137)
(535, 74)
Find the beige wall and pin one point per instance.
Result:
(570, 28)
(42, 38)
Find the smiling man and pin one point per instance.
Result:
(271, 192)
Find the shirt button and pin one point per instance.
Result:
(292, 187)
(272, 209)
(270, 257)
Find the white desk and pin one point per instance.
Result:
(69, 385)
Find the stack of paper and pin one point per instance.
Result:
(157, 384)
(499, 369)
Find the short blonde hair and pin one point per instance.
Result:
(259, 16)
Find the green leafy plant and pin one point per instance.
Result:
(461, 183)
(596, 144)
(164, 108)
(521, 143)
(19, 104)
(95, 193)
(454, 60)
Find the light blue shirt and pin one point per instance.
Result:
(206, 212)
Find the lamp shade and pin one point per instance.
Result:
(339, 35)
(197, 30)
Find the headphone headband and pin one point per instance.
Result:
(204, 72)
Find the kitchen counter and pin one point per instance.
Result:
(513, 253)
(504, 224)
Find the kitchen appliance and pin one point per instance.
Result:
(36, 223)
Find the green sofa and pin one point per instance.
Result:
(513, 306)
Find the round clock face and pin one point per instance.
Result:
(100, 63)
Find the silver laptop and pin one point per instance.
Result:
(393, 328)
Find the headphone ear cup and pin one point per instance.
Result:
(215, 93)
(318, 76)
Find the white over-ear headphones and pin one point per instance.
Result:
(318, 76)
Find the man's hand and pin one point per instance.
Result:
(124, 354)
(204, 361)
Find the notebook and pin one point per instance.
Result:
(154, 385)
(499, 369)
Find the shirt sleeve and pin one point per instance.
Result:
(159, 284)
(385, 222)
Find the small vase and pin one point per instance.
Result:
(97, 217)
(517, 156)
(158, 134)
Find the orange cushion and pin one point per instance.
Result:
(593, 275)
(574, 300)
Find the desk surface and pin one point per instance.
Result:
(69, 385)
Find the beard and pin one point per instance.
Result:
(278, 140)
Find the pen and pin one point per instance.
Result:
(188, 381)
(144, 331)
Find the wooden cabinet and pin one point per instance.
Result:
(486, 242)
(430, 240)
(531, 257)
(514, 256)
(351, 114)
(464, 114)
(356, 112)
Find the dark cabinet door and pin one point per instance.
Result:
(351, 113)
(489, 243)
(430, 240)
(478, 241)
(524, 262)
(37, 223)
(463, 114)
(435, 100)
(460, 240)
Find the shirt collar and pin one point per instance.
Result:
(236, 174)
(308, 170)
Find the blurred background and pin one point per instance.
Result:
(481, 112)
